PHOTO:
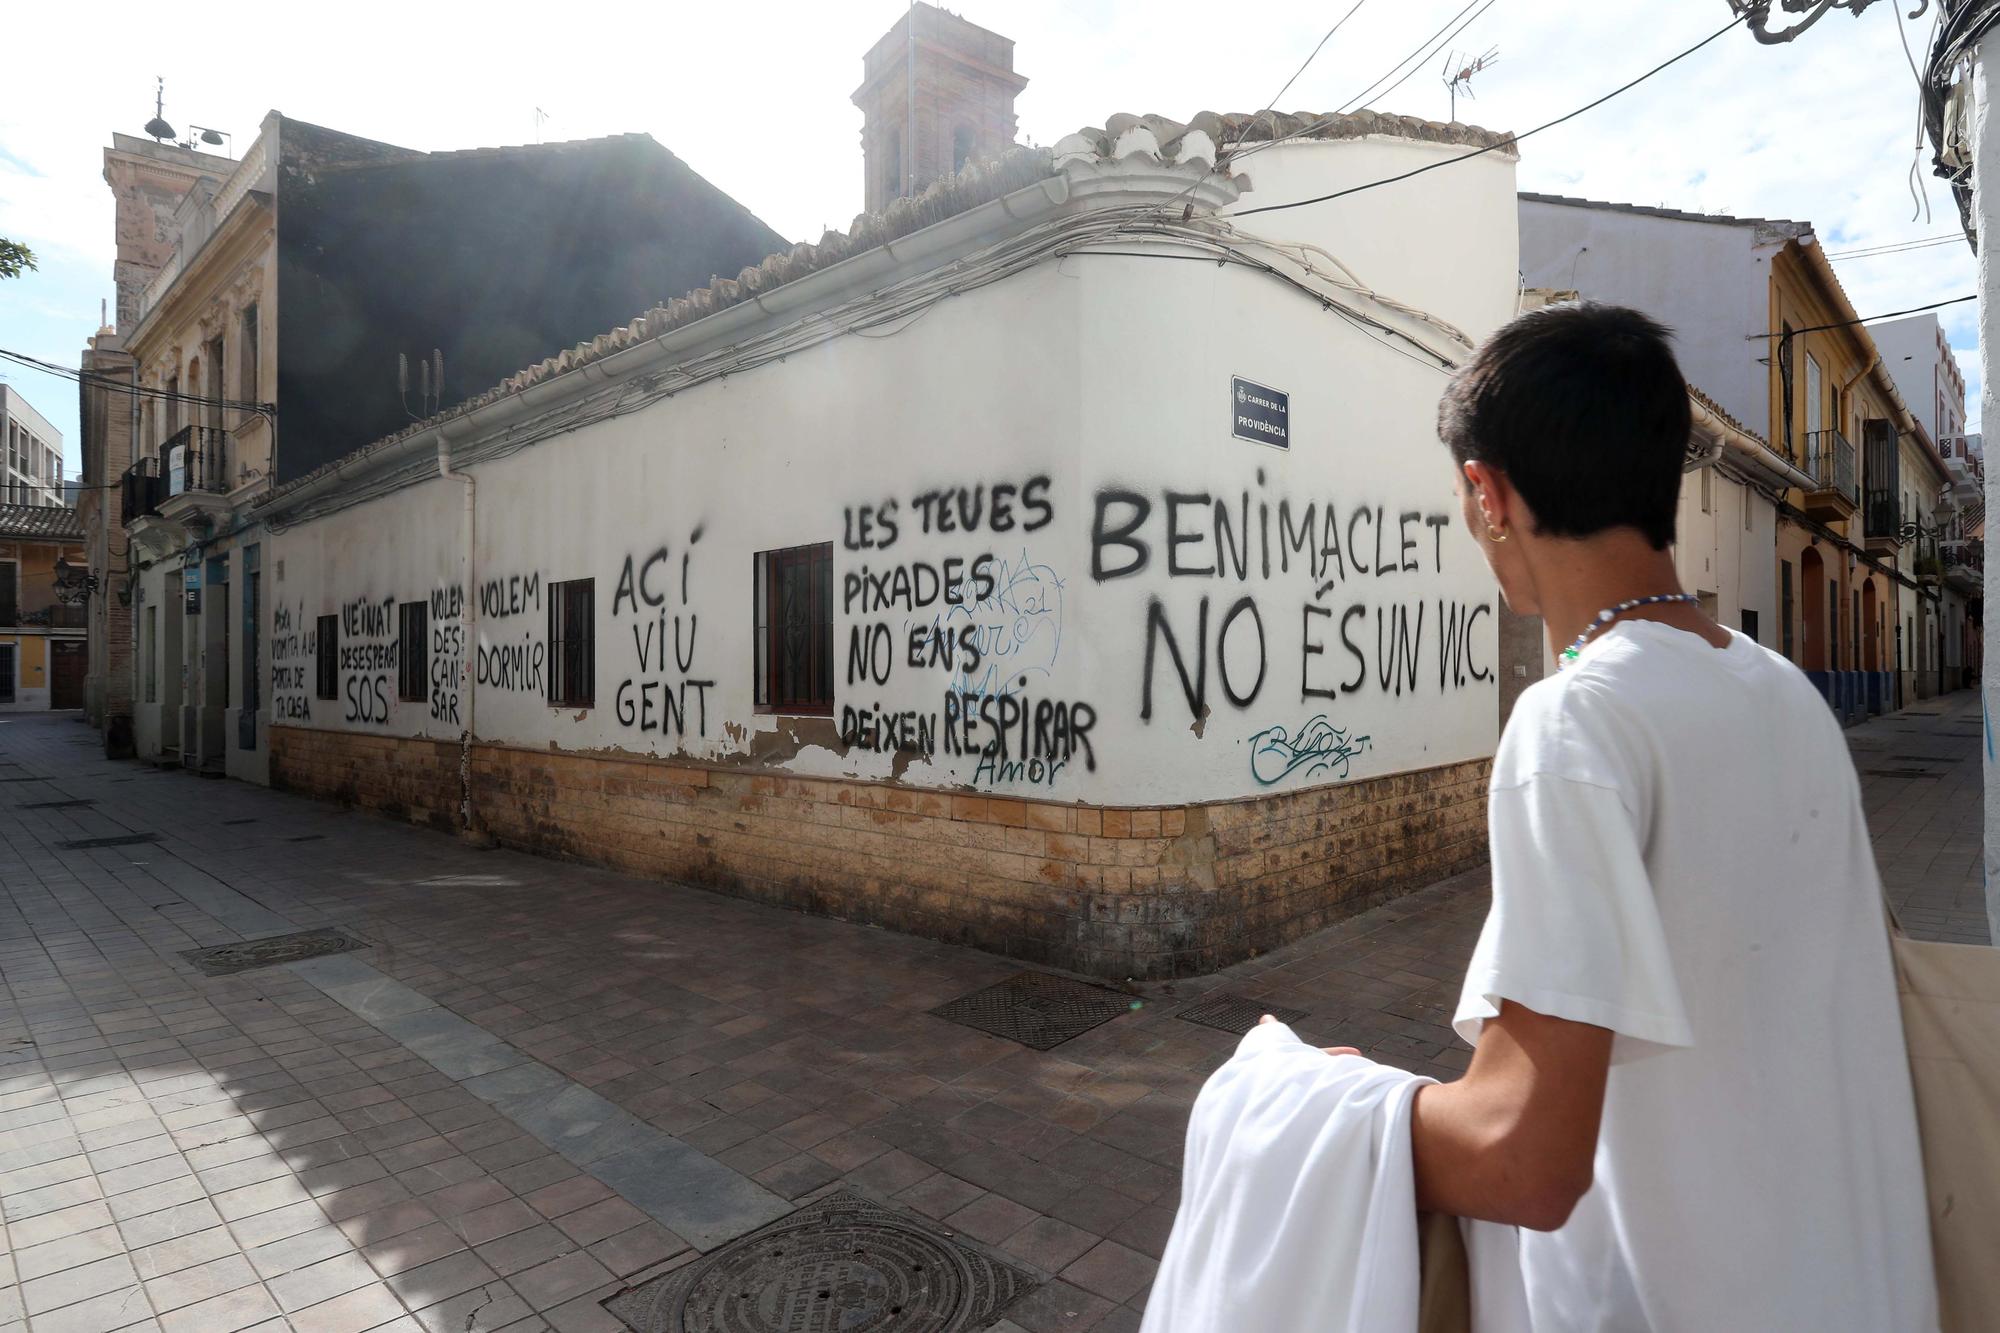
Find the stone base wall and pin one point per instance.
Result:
(1114, 892)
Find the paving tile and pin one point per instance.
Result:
(364, 1308)
(122, 1308)
(639, 1248)
(200, 1282)
(440, 1279)
(66, 1252)
(555, 1281)
(223, 1314)
(1112, 1271)
(594, 1222)
(495, 1220)
(991, 1218)
(322, 1281)
(70, 1285)
(171, 1256)
(413, 1248)
(1051, 1246)
(295, 1252)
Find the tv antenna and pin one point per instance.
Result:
(541, 118)
(1458, 72)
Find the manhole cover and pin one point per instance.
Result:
(223, 959)
(75, 804)
(1037, 1009)
(840, 1265)
(1234, 1013)
(121, 840)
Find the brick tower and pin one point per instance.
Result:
(963, 109)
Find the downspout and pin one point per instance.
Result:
(466, 650)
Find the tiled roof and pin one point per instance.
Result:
(1724, 219)
(978, 183)
(52, 522)
(1715, 409)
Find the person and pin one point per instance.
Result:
(1689, 1080)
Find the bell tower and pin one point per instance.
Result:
(936, 92)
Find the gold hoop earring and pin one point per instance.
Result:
(1495, 535)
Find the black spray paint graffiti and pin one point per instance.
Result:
(368, 657)
(1253, 537)
(991, 624)
(516, 664)
(447, 652)
(656, 698)
(293, 647)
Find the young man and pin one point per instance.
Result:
(1690, 1080)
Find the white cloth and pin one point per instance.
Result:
(1298, 1200)
(1680, 855)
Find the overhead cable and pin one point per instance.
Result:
(1508, 142)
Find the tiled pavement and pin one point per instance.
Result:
(480, 1121)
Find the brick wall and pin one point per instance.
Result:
(1145, 892)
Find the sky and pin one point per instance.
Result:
(756, 98)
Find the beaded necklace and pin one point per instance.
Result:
(1611, 613)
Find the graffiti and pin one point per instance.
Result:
(1013, 629)
(1318, 747)
(294, 645)
(447, 652)
(1021, 728)
(654, 589)
(501, 598)
(368, 655)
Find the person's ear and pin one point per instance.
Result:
(1492, 500)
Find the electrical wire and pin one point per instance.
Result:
(1896, 247)
(1865, 319)
(1508, 142)
(115, 385)
(1428, 56)
(1272, 102)
(1418, 55)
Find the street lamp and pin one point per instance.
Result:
(74, 583)
(1760, 15)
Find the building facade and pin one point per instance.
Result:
(1763, 326)
(43, 648)
(33, 474)
(322, 290)
(1122, 618)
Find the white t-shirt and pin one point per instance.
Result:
(1680, 855)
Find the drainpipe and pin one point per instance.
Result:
(466, 675)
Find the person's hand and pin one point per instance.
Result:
(1330, 1050)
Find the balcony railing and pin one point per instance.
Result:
(1882, 516)
(1829, 462)
(197, 460)
(143, 489)
(58, 616)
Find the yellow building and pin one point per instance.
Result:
(1854, 611)
(43, 651)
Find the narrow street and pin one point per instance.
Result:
(538, 1084)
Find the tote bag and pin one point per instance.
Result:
(1951, 1022)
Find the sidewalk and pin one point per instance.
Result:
(540, 1083)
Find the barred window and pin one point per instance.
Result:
(412, 660)
(327, 646)
(573, 643)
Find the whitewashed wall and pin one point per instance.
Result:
(998, 480)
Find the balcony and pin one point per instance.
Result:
(1882, 522)
(1829, 461)
(1965, 566)
(58, 616)
(198, 477)
(143, 489)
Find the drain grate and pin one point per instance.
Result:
(222, 959)
(121, 840)
(77, 803)
(1235, 1013)
(842, 1263)
(1036, 1009)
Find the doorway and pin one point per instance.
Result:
(69, 663)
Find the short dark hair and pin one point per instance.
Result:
(1584, 408)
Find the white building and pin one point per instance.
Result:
(34, 464)
(993, 572)
(1919, 358)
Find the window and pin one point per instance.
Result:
(794, 617)
(246, 375)
(961, 148)
(412, 662)
(1815, 395)
(6, 673)
(10, 609)
(326, 644)
(1857, 628)
(573, 643)
(149, 653)
(1785, 607)
(1750, 623)
(1708, 490)
(1833, 624)
(1749, 512)
(892, 168)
